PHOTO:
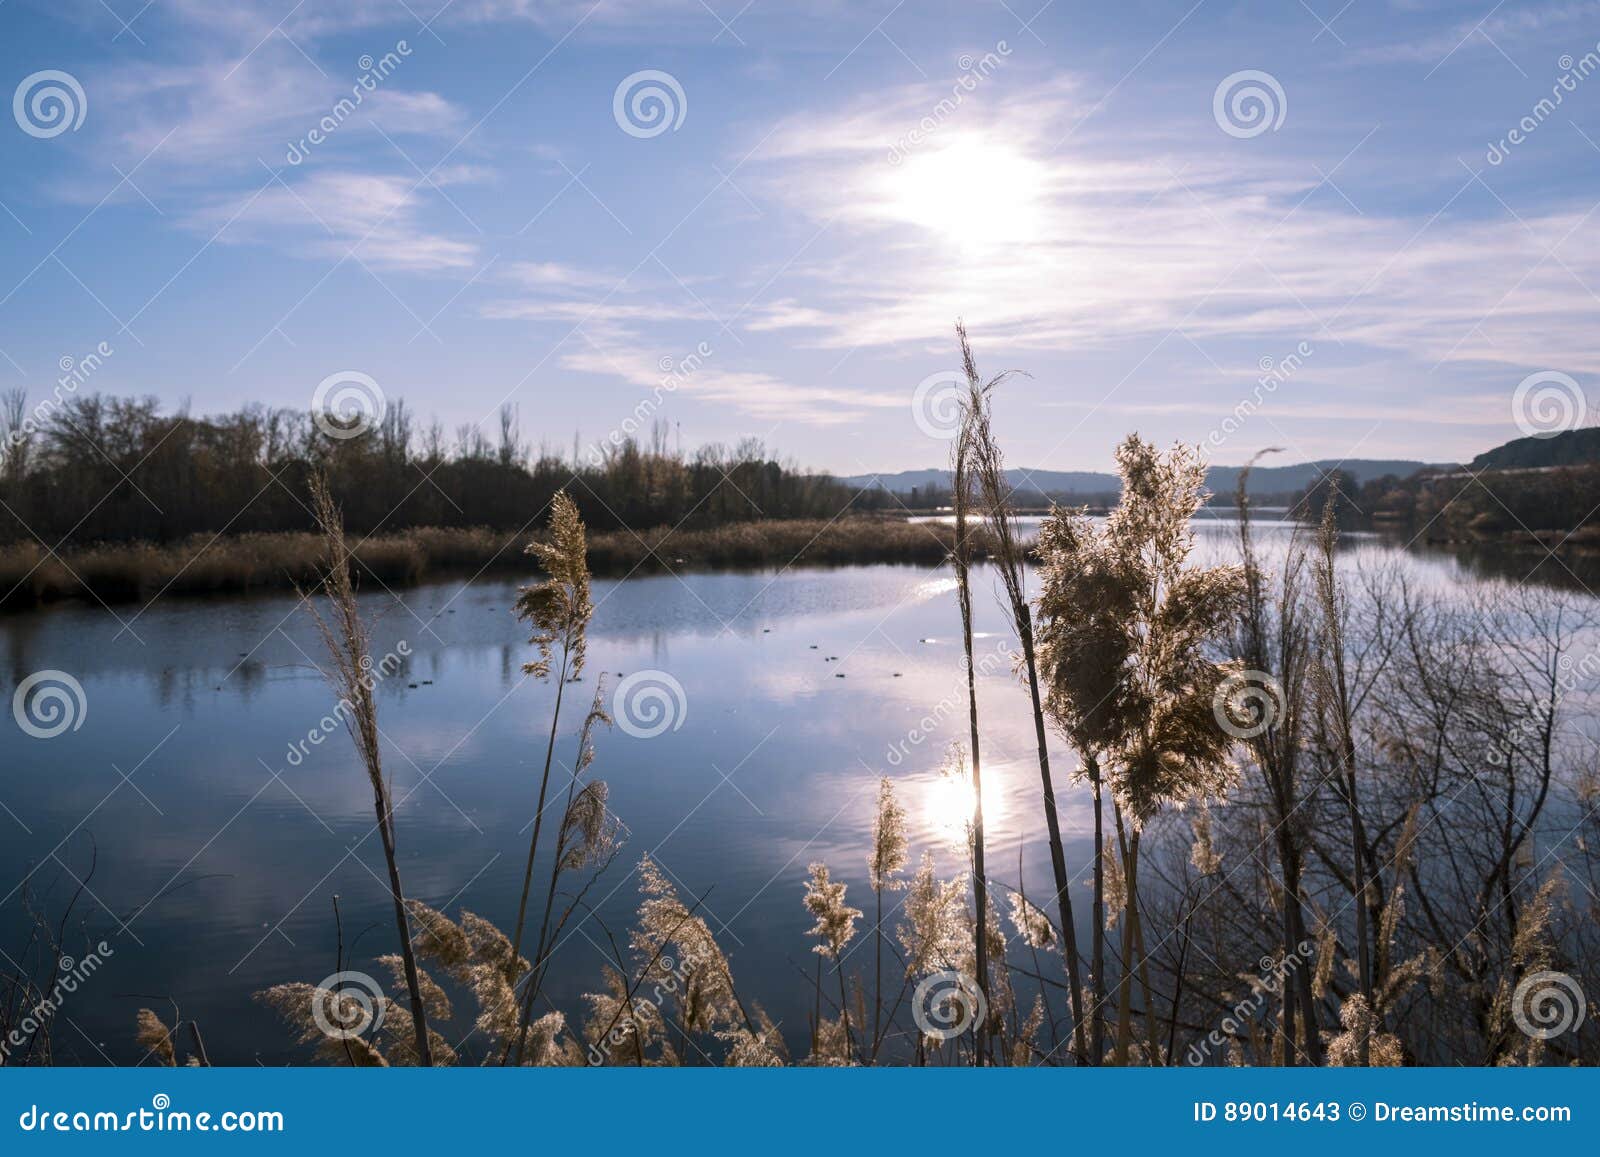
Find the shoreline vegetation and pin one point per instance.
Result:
(113, 500)
(111, 573)
(32, 577)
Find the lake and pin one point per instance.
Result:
(221, 817)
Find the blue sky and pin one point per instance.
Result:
(839, 182)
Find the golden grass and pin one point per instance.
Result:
(140, 572)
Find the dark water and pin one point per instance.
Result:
(217, 846)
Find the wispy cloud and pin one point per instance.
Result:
(758, 393)
(635, 330)
(231, 114)
(329, 214)
(1506, 27)
(1117, 239)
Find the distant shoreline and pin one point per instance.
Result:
(141, 572)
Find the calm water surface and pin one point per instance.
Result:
(218, 836)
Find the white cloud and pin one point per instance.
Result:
(325, 214)
(600, 314)
(548, 274)
(754, 392)
(1120, 240)
(231, 113)
(1500, 27)
(1290, 405)
(634, 330)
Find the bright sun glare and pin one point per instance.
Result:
(970, 192)
(950, 803)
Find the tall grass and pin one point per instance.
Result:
(962, 487)
(988, 464)
(558, 609)
(884, 865)
(345, 636)
(1272, 637)
(31, 576)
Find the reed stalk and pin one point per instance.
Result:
(961, 555)
(988, 467)
(559, 610)
(345, 635)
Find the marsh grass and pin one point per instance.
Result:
(1126, 625)
(962, 486)
(558, 609)
(1010, 552)
(345, 635)
(31, 576)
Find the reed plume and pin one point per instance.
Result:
(961, 553)
(307, 1008)
(835, 927)
(558, 609)
(706, 998)
(587, 834)
(884, 865)
(933, 933)
(1135, 681)
(1032, 925)
(345, 636)
(155, 1038)
(988, 468)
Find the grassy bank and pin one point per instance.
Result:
(138, 572)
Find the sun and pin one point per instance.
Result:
(970, 192)
(950, 804)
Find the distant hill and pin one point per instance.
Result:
(1222, 480)
(1572, 448)
(1042, 482)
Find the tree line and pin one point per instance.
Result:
(1467, 504)
(96, 468)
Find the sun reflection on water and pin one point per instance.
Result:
(950, 804)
